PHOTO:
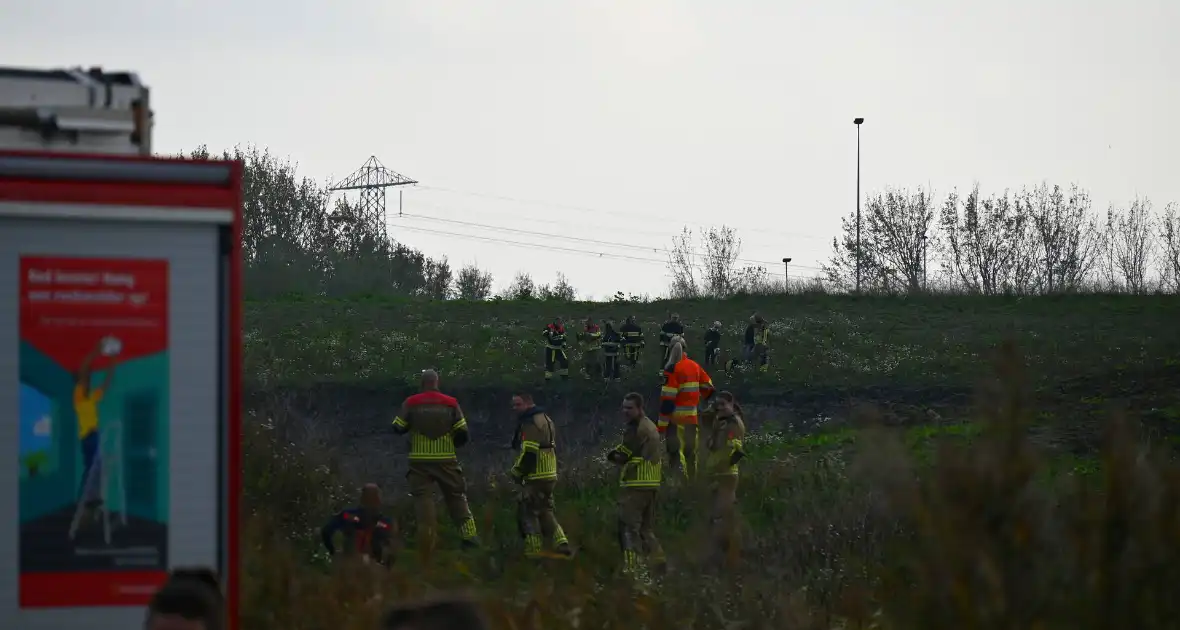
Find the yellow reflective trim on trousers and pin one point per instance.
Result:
(684, 412)
(645, 473)
(546, 466)
(423, 448)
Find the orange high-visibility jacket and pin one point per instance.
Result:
(685, 386)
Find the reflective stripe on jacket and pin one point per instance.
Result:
(681, 394)
(641, 449)
(432, 419)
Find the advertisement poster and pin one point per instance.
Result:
(94, 418)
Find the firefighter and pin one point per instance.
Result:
(686, 384)
(436, 426)
(671, 328)
(536, 470)
(762, 344)
(713, 344)
(555, 351)
(632, 340)
(367, 534)
(611, 340)
(592, 336)
(724, 433)
(638, 456)
(749, 343)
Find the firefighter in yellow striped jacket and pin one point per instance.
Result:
(436, 425)
(639, 459)
(724, 431)
(686, 385)
(536, 470)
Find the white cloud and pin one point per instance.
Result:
(43, 427)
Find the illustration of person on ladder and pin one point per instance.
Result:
(86, 401)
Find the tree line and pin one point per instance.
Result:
(297, 240)
(1041, 240)
(1045, 239)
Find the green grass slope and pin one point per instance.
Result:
(819, 340)
(965, 525)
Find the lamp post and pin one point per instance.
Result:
(787, 275)
(857, 122)
(925, 260)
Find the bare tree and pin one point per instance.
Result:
(522, 288)
(1169, 235)
(983, 243)
(682, 266)
(721, 247)
(756, 280)
(473, 284)
(1131, 232)
(560, 290)
(1068, 237)
(895, 234)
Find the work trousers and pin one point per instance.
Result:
(611, 367)
(631, 353)
(762, 356)
(556, 358)
(682, 442)
(637, 535)
(712, 355)
(423, 476)
(536, 516)
(667, 352)
(723, 489)
(593, 364)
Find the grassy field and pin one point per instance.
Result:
(817, 340)
(973, 520)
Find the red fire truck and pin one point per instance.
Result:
(120, 277)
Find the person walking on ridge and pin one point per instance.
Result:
(556, 357)
(592, 337)
(671, 328)
(436, 426)
(536, 470)
(713, 344)
(611, 340)
(633, 340)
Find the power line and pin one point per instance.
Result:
(576, 208)
(557, 248)
(629, 230)
(766, 264)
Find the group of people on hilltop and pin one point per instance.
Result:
(437, 427)
(602, 346)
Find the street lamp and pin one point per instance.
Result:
(857, 122)
(925, 260)
(787, 275)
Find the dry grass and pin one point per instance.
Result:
(975, 529)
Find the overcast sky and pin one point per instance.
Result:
(612, 124)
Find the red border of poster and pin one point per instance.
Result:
(212, 197)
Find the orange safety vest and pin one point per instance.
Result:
(682, 387)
